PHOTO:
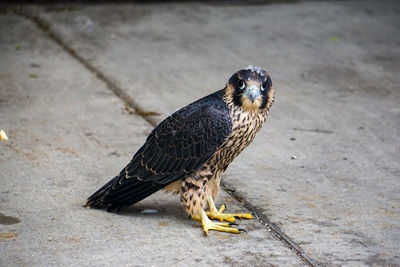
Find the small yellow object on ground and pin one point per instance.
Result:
(3, 136)
(333, 39)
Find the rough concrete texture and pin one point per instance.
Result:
(68, 134)
(335, 67)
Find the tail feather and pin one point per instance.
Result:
(125, 203)
(117, 196)
(96, 200)
(134, 190)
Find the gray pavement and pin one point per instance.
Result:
(324, 168)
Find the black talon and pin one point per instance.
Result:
(204, 232)
(232, 223)
(242, 230)
(237, 217)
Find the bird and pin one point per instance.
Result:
(188, 151)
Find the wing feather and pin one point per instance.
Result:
(185, 141)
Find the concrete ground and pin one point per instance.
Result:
(323, 173)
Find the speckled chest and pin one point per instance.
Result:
(245, 126)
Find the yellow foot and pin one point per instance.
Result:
(207, 225)
(219, 215)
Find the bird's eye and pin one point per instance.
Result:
(263, 86)
(241, 84)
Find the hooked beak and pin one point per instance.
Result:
(252, 92)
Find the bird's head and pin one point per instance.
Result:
(251, 89)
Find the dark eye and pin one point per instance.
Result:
(264, 86)
(241, 84)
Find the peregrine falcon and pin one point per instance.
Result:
(188, 151)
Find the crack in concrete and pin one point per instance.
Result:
(131, 103)
(266, 222)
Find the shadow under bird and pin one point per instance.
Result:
(188, 151)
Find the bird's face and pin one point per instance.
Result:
(251, 88)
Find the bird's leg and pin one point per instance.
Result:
(216, 214)
(207, 224)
